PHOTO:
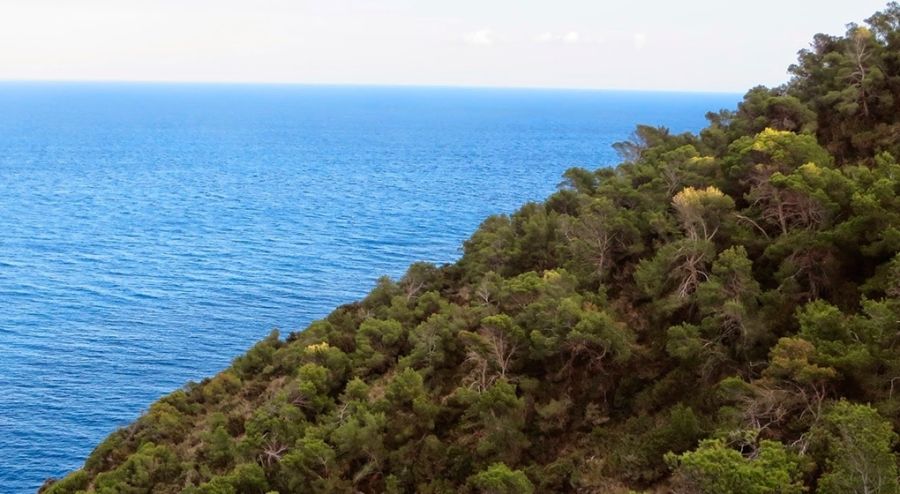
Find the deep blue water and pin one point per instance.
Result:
(150, 233)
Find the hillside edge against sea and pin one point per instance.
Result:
(718, 314)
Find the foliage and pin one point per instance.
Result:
(499, 479)
(858, 445)
(714, 468)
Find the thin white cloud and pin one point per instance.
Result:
(570, 37)
(482, 37)
(640, 40)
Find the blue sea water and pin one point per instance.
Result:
(151, 233)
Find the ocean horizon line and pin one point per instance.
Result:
(341, 85)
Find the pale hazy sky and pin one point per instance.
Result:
(695, 45)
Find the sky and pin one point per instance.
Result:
(692, 45)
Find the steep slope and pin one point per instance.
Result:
(719, 313)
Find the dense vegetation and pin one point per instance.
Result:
(717, 314)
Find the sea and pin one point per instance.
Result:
(150, 233)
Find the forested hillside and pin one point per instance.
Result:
(717, 314)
